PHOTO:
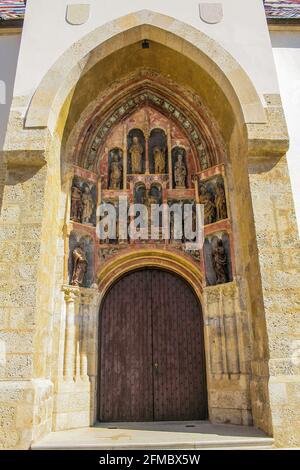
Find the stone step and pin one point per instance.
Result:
(157, 436)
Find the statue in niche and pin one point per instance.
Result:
(219, 261)
(220, 200)
(207, 200)
(115, 172)
(76, 204)
(159, 160)
(87, 205)
(80, 265)
(180, 172)
(136, 153)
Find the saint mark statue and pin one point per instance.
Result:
(136, 153)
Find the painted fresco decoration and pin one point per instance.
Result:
(136, 152)
(115, 165)
(158, 152)
(81, 260)
(213, 197)
(217, 254)
(83, 202)
(179, 168)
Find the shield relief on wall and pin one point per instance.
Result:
(211, 13)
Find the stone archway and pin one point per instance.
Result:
(240, 328)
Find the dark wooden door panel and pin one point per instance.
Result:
(126, 386)
(179, 372)
(152, 363)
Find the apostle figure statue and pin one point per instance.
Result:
(87, 205)
(207, 200)
(136, 153)
(219, 261)
(76, 205)
(80, 265)
(115, 173)
(180, 172)
(159, 160)
(220, 200)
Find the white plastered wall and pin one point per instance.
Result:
(9, 51)
(47, 34)
(286, 50)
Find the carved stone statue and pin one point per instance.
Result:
(80, 266)
(207, 200)
(220, 201)
(115, 173)
(136, 152)
(76, 205)
(219, 261)
(87, 205)
(159, 160)
(180, 172)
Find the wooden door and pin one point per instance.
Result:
(152, 363)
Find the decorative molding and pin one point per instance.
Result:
(211, 13)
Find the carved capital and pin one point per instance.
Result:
(71, 293)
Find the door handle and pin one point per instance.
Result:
(156, 365)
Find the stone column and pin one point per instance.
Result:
(71, 297)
